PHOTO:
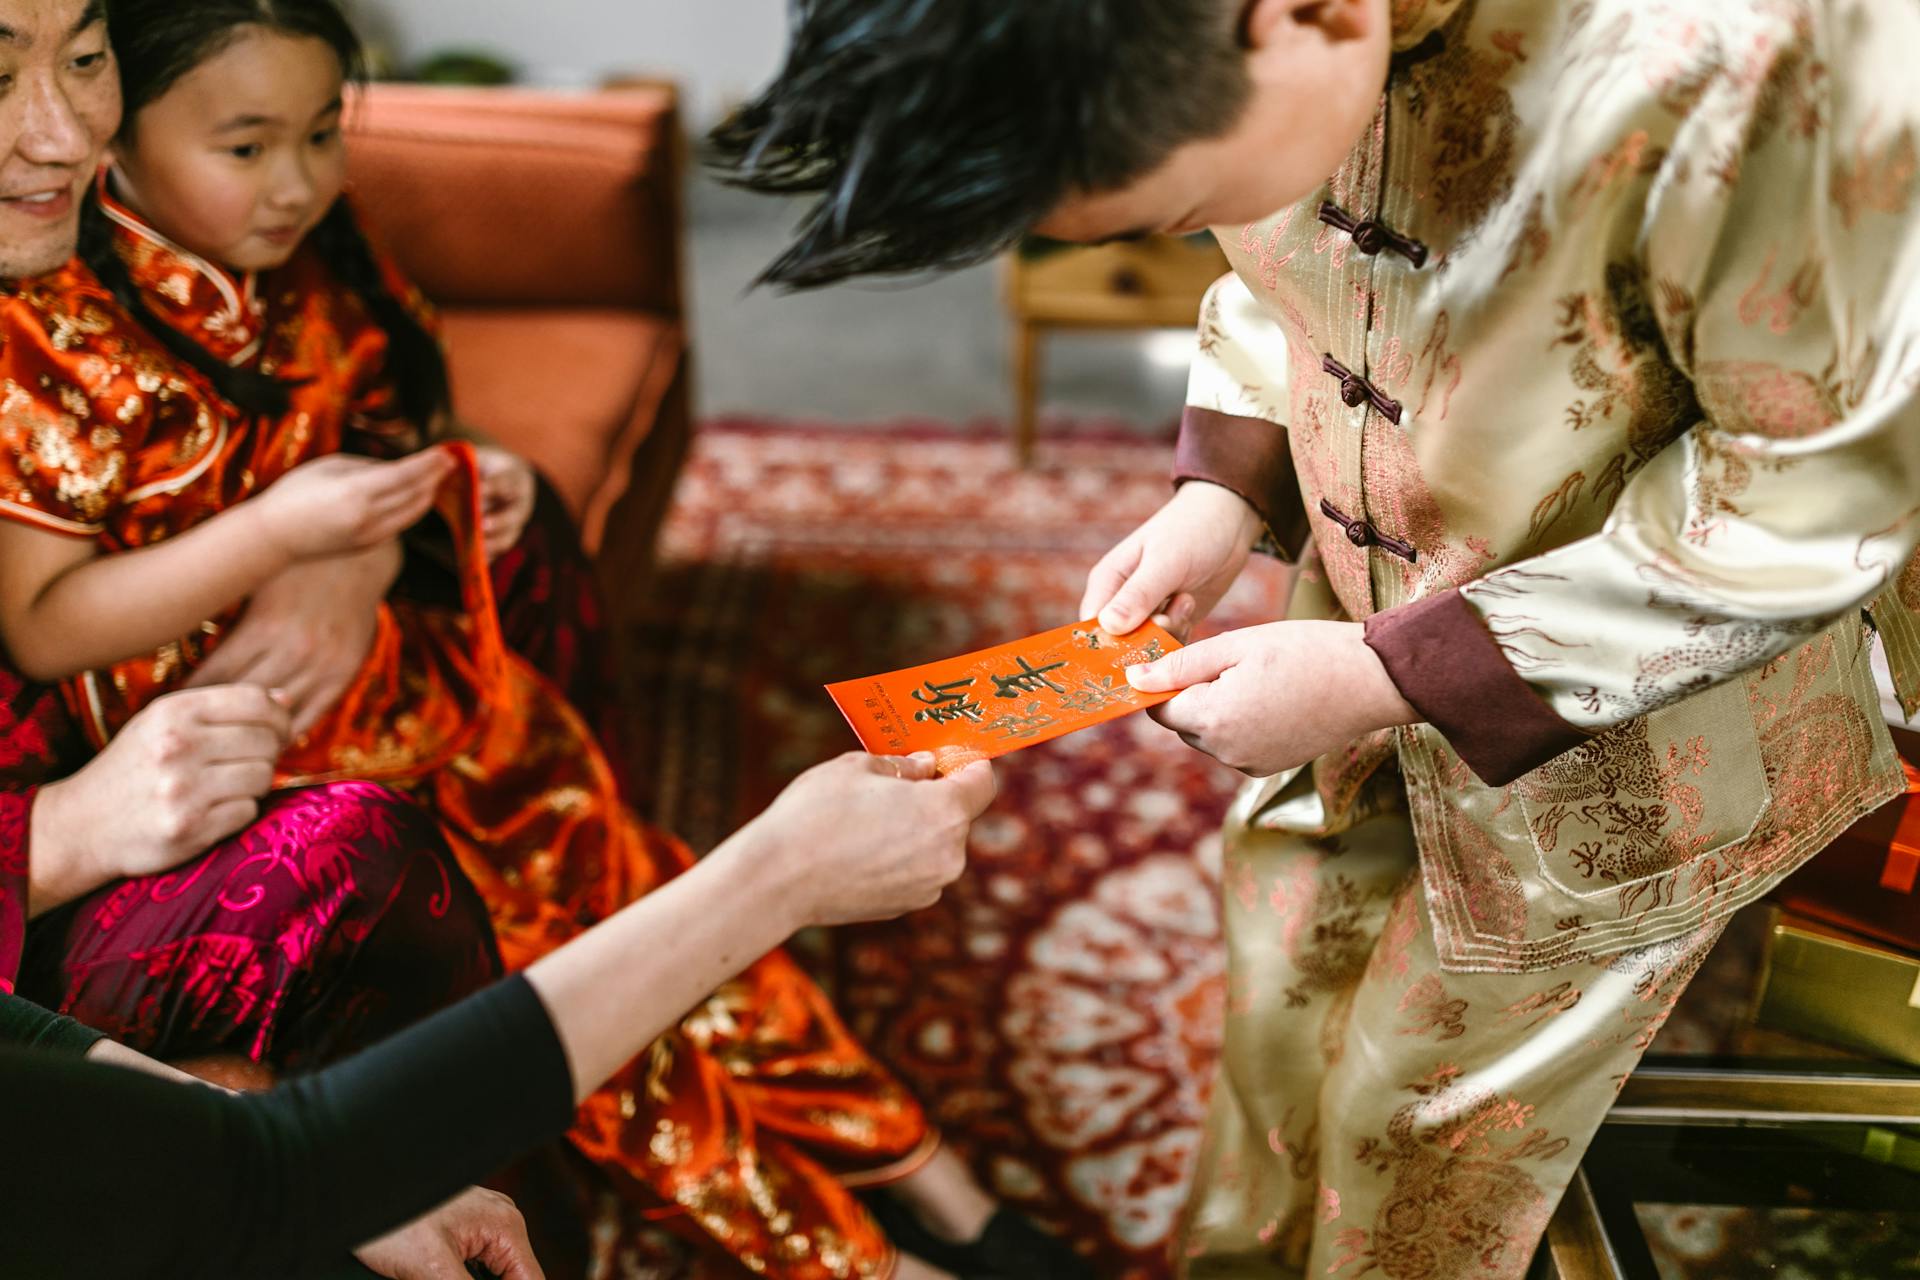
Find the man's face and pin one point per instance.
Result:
(1317, 71)
(59, 107)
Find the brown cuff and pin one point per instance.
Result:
(1447, 665)
(1251, 457)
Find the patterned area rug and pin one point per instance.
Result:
(1060, 1009)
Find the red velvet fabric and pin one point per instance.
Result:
(335, 920)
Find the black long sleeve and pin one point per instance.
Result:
(28, 1026)
(112, 1172)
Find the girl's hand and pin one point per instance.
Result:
(1270, 698)
(1194, 547)
(339, 505)
(507, 490)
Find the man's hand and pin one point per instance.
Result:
(1270, 698)
(1195, 547)
(872, 837)
(187, 772)
(307, 632)
(475, 1226)
(507, 489)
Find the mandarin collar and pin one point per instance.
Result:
(215, 307)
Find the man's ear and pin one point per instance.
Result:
(1271, 24)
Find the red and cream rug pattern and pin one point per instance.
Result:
(1059, 1011)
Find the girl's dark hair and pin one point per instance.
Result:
(156, 43)
(937, 132)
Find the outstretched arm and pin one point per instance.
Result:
(858, 838)
(278, 1183)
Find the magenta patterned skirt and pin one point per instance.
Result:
(336, 919)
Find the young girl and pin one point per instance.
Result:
(230, 383)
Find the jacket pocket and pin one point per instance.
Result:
(1616, 817)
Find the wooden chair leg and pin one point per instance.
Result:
(1026, 391)
(1576, 1246)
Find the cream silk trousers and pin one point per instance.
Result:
(1375, 1115)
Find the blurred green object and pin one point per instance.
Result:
(464, 66)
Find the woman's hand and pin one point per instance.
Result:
(338, 505)
(1192, 548)
(307, 632)
(870, 837)
(858, 838)
(507, 490)
(1270, 698)
(187, 772)
(475, 1226)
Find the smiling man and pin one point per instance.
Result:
(59, 107)
(1571, 348)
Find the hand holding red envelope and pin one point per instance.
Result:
(983, 705)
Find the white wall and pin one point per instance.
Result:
(719, 50)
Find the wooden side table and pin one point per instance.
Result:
(1157, 283)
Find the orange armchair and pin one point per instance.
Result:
(547, 228)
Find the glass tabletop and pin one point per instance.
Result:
(1739, 1152)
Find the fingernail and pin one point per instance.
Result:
(282, 697)
(1138, 675)
(922, 757)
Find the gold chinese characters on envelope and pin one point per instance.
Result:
(986, 704)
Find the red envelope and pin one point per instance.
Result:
(987, 704)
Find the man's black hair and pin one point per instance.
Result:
(937, 132)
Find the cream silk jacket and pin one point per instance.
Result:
(1591, 383)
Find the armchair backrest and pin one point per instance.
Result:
(520, 197)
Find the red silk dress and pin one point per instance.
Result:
(752, 1118)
